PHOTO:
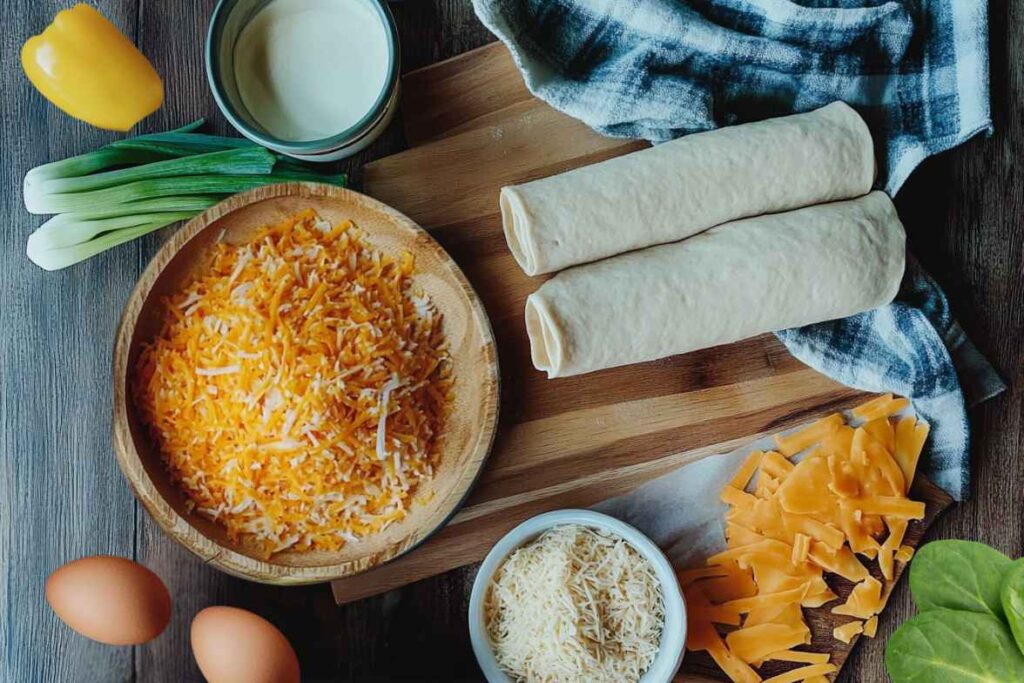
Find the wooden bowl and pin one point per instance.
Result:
(468, 433)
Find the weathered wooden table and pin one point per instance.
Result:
(62, 496)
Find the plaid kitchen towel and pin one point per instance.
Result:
(916, 70)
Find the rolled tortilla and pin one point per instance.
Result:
(734, 281)
(683, 187)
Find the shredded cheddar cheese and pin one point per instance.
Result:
(298, 388)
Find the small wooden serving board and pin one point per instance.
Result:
(576, 441)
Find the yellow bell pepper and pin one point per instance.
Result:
(90, 70)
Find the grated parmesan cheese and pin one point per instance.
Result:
(298, 388)
(575, 604)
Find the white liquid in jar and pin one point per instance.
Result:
(309, 69)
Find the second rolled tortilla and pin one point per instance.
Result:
(735, 281)
(680, 188)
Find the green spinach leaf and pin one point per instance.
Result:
(948, 646)
(961, 575)
(1013, 600)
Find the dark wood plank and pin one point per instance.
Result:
(61, 495)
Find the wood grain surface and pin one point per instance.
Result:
(62, 495)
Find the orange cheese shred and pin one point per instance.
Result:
(787, 615)
(734, 667)
(805, 490)
(738, 583)
(739, 535)
(847, 632)
(746, 470)
(803, 673)
(775, 465)
(688, 576)
(700, 632)
(763, 600)
(766, 487)
(880, 460)
(838, 442)
(733, 496)
(801, 546)
(754, 643)
(880, 407)
(892, 506)
(791, 444)
(818, 599)
(803, 524)
(865, 600)
(841, 562)
(887, 553)
(910, 437)
(800, 657)
(881, 430)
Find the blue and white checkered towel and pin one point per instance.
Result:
(916, 70)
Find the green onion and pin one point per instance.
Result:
(175, 144)
(240, 162)
(62, 257)
(134, 186)
(187, 128)
(164, 187)
(67, 230)
(105, 157)
(186, 203)
(84, 164)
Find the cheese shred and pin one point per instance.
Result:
(575, 604)
(298, 388)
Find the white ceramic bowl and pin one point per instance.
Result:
(226, 23)
(673, 635)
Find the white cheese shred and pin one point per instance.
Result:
(576, 604)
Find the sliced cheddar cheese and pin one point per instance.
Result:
(865, 600)
(847, 632)
(746, 471)
(910, 437)
(753, 643)
(829, 493)
(802, 674)
(805, 490)
(734, 667)
(800, 657)
(791, 444)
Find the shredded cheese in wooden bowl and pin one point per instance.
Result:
(575, 604)
(298, 388)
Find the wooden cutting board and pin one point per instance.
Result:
(576, 441)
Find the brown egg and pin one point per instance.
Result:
(232, 645)
(110, 599)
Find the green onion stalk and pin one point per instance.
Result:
(132, 187)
